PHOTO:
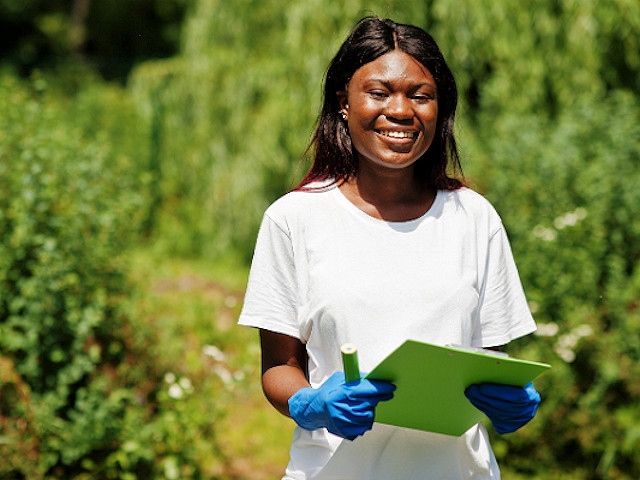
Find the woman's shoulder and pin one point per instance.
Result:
(470, 202)
(301, 201)
(468, 195)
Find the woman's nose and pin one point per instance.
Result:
(399, 108)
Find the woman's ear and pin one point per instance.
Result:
(343, 102)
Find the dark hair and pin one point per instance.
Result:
(371, 38)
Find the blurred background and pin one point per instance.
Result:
(140, 142)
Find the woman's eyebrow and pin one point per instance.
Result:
(389, 83)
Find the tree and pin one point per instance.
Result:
(112, 36)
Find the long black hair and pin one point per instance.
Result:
(371, 38)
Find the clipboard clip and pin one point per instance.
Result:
(485, 351)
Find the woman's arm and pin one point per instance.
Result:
(284, 368)
(346, 410)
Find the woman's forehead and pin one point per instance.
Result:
(395, 65)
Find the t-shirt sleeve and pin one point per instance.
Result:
(270, 298)
(504, 312)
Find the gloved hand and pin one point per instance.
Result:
(508, 407)
(346, 410)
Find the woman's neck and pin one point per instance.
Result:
(393, 195)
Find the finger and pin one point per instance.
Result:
(371, 388)
(507, 392)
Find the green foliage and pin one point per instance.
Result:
(112, 36)
(548, 128)
(540, 59)
(568, 194)
(232, 115)
(550, 131)
(204, 361)
(69, 203)
(96, 380)
(99, 381)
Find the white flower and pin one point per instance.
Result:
(175, 391)
(569, 219)
(566, 354)
(544, 233)
(568, 342)
(185, 384)
(214, 352)
(231, 301)
(583, 331)
(547, 329)
(581, 213)
(223, 373)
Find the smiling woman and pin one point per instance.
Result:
(380, 52)
(380, 244)
(391, 109)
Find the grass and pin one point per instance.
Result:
(193, 308)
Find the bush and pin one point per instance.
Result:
(70, 203)
(95, 381)
(568, 193)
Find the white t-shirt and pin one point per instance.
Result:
(327, 273)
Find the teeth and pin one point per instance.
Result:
(396, 134)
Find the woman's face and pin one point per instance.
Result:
(391, 106)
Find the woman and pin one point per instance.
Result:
(378, 244)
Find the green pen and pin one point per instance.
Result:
(350, 362)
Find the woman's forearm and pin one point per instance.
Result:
(280, 382)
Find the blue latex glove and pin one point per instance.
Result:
(508, 407)
(345, 409)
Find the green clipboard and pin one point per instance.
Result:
(431, 380)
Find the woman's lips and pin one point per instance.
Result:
(398, 134)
